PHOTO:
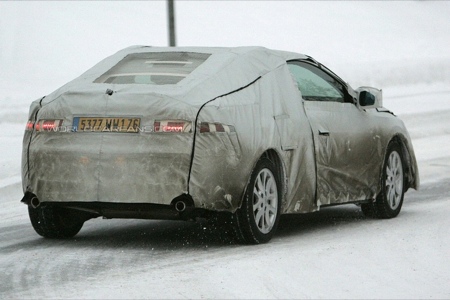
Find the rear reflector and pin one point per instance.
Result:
(172, 126)
(215, 127)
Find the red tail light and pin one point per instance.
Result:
(30, 126)
(215, 127)
(172, 126)
(48, 125)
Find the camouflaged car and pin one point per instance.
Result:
(186, 133)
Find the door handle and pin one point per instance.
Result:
(324, 133)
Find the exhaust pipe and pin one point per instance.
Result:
(31, 200)
(34, 202)
(184, 206)
(180, 206)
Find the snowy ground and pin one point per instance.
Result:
(336, 253)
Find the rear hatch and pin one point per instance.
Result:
(123, 146)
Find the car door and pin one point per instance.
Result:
(345, 138)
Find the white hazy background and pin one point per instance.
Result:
(402, 47)
(45, 44)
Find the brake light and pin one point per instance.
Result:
(215, 127)
(30, 126)
(48, 125)
(172, 126)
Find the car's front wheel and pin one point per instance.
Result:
(390, 199)
(55, 222)
(258, 217)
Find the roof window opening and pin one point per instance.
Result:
(158, 68)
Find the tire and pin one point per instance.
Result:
(259, 215)
(55, 222)
(390, 199)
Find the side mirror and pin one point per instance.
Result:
(369, 97)
(366, 99)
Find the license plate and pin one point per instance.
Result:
(100, 124)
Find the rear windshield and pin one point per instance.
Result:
(153, 68)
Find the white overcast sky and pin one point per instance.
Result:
(45, 44)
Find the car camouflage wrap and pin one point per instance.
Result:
(196, 122)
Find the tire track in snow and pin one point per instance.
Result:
(111, 250)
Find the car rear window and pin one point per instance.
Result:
(153, 68)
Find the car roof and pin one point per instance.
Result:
(221, 57)
(242, 50)
(225, 70)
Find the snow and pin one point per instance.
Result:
(335, 253)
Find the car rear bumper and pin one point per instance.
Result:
(107, 167)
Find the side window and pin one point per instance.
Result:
(315, 84)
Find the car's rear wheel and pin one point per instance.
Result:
(258, 217)
(55, 222)
(390, 199)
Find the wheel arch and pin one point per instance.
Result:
(274, 156)
(403, 142)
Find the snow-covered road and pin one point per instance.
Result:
(335, 253)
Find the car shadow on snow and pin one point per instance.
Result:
(328, 217)
(173, 235)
